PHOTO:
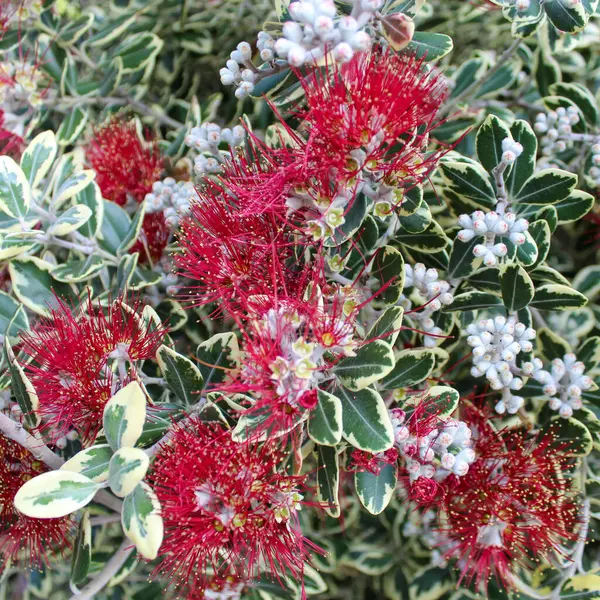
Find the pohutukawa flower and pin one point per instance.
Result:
(125, 165)
(227, 506)
(153, 239)
(233, 255)
(72, 352)
(373, 103)
(287, 348)
(514, 508)
(25, 540)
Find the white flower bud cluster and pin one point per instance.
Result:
(511, 150)
(206, 139)
(266, 46)
(594, 171)
(430, 292)
(564, 383)
(317, 29)
(444, 450)
(557, 129)
(496, 343)
(233, 74)
(171, 197)
(491, 225)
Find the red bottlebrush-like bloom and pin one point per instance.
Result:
(226, 507)
(373, 463)
(515, 507)
(10, 144)
(124, 164)
(287, 348)
(23, 539)
(366, 116)
(154, 238)
(233, 256)
(71, 351)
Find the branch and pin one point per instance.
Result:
(110, 570)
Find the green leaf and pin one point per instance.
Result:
(73, 271)
(366, 423)
(501, 80)
(22, 388)
(124, 416)
(325, 424)
(517, 288)
(550, 345)
(72, 186)
(372, 362)
(71, 220)
(388, 325)
(15, 191)
(127, 468)
(430, 241)
(587, 281)
(462, 261)
(473, 301)
(574, 207)
(328, 479)
(115, 225)
(547, 71)
(547, 186)
(55, 494)
(125, 270)
(91, 197)
(216, 357)
(112, 29)
(566, 16)
(470, 182)
(581, 96)
(557, 297)
(412, 367)
(538, 236)
(589, 353)
(430, 583)
(429, 45)
(142, 522)
(82, 550)
(570, 435)
(137, 50)
(134, 229)
(182, 375)
(527, 253)
(524, 167)
(92, 462)
(489, 142)
(38, 157)
(72, 126)
(388, 269)
(13, 318)
(375, 491)
(442, 400)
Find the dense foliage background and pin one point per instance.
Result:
(299, 300)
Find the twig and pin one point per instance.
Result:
(111, 568)
(471, 89)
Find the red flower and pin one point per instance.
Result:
(10, 144)
(124, 164)
(515, 507)
(154, 238)
(23, 539)
(71, 351)
(235, 256)
(373, 463)
(366, 117)
(288, 346)
(226, 506)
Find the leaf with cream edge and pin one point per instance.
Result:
(412, 367)
(366, 422)
(92, 462)
(38, 157)
(182, 375)
(71, 186)
(71, 220)
(142, 522)
(82, 550)
(124, 416)
(128, 467)
(216, 357)
(55, 494)
(387, 327)
(375, 491)
(441, 400)
(372, 362)
(15, 191)
(22, 388)
(325, 421)
(328, 479)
